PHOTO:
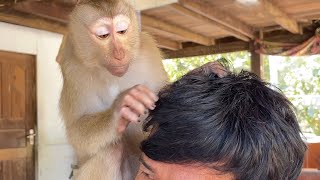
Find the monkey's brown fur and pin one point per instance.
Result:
(90, 92)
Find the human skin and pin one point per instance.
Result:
(154, 170)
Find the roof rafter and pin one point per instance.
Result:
(47, 10)
(168, 44)
(174, 29)
(200, 17)
(205, 50)
(33, 22)
(221, 17)
(280, 17)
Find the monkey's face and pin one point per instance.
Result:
(109, 39)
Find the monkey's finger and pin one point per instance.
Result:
(149, 92)
(144, 97)
(122, 126)
(134, 104)
(128, 114)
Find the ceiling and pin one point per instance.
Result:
(181, 24)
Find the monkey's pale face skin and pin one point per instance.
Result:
(154, 170)
(111, 34)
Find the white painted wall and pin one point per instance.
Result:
(54, 154)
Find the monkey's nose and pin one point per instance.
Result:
(118, 54)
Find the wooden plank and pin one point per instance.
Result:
(164, 26)
(31, 109)
(164, 34)
(7, 168)
(221, 17)
(46, 9)
(206, 50)
(18, 94)
(192, 14)
(6, 103)
(14, 153)
(30, 162)
(33, 22)
(13, 170)
(12, 138)
(148, 4)
(281, 17)
(19, 168)
(1, 171)
(168, 44)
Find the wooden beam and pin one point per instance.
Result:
(168, 44)
(206, 50)
(33, 22)
(280, 17)
(165, 34)
(180, 31)
(148, 4)
(192, 14)
(221, 17)
(45, 9)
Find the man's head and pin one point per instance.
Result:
(231, 127)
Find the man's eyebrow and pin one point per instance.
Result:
(145, 164)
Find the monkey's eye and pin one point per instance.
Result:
(122, 32)
(102, 32)
(122, 27)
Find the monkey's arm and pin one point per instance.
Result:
(92, 132)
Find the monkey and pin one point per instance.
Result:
(111, 72)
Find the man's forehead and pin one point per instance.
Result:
(182, 172)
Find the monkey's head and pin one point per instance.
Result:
(105, 34)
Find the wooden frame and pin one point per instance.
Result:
(227, 21)
(174, 29)
(206, 50)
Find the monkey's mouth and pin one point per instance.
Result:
(118, 70)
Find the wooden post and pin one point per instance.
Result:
(256, 61)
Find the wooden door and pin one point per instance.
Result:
(17, 116)
(312, 156)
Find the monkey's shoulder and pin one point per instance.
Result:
(148, 42)
(86, 96)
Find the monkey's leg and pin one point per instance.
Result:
(105, 165)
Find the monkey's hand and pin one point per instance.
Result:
(133, 103)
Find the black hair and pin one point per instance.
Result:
(236, 123)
